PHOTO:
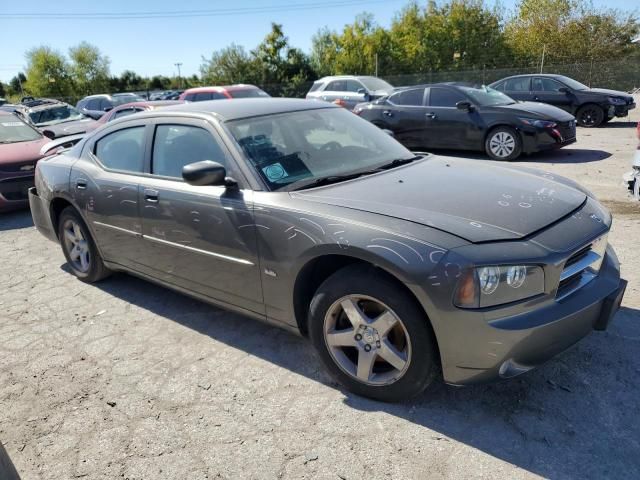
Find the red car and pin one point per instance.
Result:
(20, 146)
(228, 92)
(133, 107)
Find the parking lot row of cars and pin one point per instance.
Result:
(514, 116)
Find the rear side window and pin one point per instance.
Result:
(93, 104)
(411, 98)
(175, 146)
(247, 93)
(123, 113)
(499, 86)
(337, 86)
(122, 150)
(189, 97)
(517, 85)
(444, 97)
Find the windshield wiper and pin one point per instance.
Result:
(328, 180)
(397, 162)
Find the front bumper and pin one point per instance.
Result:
(620, 110)
(512, 345)
(542, 139)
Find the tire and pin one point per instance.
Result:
(590, 116)
(79, 249)
(403, 335)
(503, 143)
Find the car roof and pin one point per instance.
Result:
(221, 88)
(249, 107)
(149, 103)
(47, 106)
(343, 77)
(549, 75)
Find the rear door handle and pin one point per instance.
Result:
(388, 113)
(81, 184)
(150, 195)
(430, 115)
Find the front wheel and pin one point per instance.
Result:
(372, 336)
(590, 116)
(79, 248)
(503, 143)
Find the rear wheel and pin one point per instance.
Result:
(590, 116)
(371, 335)
(79, 248)
(503, 143)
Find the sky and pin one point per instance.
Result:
(151, 46)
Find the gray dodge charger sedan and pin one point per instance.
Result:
(399, 266)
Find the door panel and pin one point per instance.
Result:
(448, 126)
(546, 90)
(202, 238)
(519, 88)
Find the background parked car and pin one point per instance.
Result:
(349, 90)
(131, 108)
(59, 118)
(591, 106)
(96, 105)
(456, 116)
(227, 92)
(20, 148)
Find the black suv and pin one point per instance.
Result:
(591, 106)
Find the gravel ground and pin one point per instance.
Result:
(125, 379)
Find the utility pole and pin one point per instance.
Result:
(544, 50)
(178, 64)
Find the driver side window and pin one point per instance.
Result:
(175, 146)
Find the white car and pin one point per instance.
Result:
(632, 178)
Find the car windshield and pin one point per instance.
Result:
(55, 114)
(573, 84)
(373, 83)
(13, 130)
(487, 97)
(301, 147)
(248, 93)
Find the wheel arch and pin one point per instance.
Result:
(316, 270)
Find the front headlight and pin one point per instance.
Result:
(538, 123)
(617, 101)
(498, 284)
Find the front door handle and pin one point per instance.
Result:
(81, 184)
(150, 195)
(431, 115)
(535, 97)
(388, 113)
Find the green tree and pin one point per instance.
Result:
(227, 66)
(89, 69)
(47, 73)
(569, 31)
(16, 84)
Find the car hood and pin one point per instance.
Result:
(612, 93)
(535, 109)
(474, 200)
(20, 152)
(70, 128)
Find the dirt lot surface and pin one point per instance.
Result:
(125, 379)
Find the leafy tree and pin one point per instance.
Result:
(227, 66)
(569, 31)
(16, 84)
(47, 73)
(2, 90)
(89, 68)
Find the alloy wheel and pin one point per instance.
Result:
(367, 340)
(76, 245)
(589, 117)
(502, 144)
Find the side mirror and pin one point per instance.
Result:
(49, 134)
(563, 90)
(206, 172)
(464, 106)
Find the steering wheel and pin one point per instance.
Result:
(330, 146)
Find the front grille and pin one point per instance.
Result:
(567, 129)
(581, 267)
(16, 188)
